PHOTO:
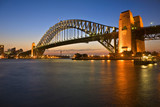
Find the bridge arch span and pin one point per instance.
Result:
(90, 28)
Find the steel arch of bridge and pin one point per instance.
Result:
(90, 28)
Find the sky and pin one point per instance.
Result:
(25, 21)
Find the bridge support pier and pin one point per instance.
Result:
(32, 49)
(35, 52)
(127, 40)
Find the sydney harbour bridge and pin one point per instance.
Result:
(129, 36)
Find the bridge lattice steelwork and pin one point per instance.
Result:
(149, 32)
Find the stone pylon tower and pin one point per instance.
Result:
(32, 51)
(139, 39)
(127, 40)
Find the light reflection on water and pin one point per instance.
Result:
(63, 82)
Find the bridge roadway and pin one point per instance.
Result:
(149, 32)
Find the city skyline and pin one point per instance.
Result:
(25, 22)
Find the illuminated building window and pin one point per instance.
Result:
(124, 28)
(125, 48)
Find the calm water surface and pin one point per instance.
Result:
(67, 83)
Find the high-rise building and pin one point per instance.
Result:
(1, 49)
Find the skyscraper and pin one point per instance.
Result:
(1, 49)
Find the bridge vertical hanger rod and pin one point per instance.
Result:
(57, 37)
(74, 33)
(78, 33)
(81, 28)
(85, 28)
(77, 29)
(98, 28)
(95, 29)
(74, 28)
(64, 34)
(53, 39)
(60, 36)
(89, 26)
(101, 29)
(109, 30)
(81, 34)
(106, 30)
(70, 34)
(67, 33)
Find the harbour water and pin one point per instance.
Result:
(68, 83)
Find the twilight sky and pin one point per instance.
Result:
(25, 21)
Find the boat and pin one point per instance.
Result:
(145, 60)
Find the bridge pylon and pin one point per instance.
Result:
(128, 41)
(32, 49)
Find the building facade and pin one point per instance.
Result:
(1, 49)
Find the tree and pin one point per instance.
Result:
(77, 55)
(154, 53)
(84, 55)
